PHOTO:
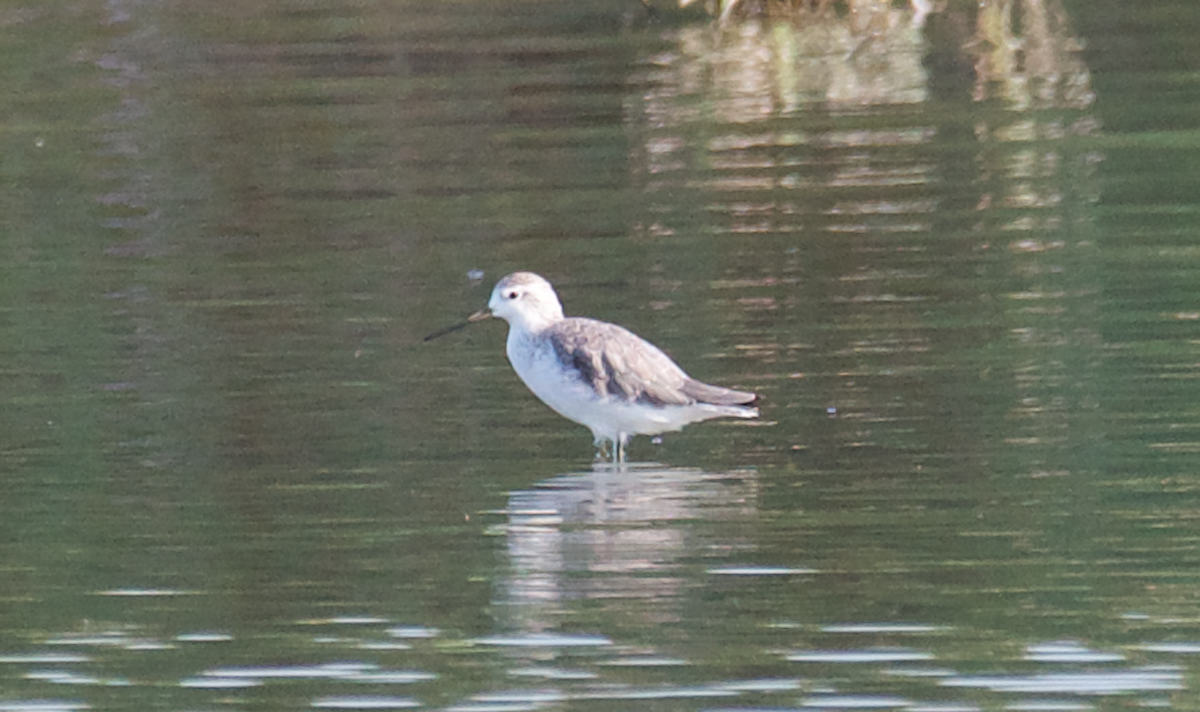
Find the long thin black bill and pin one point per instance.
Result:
(477, 316)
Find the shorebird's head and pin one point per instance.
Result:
(525, 300)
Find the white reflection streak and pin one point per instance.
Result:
(1106, 682)
(585, 535)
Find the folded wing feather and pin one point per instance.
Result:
(618, 363)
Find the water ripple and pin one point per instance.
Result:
(870, 655)
(544, 640)
(43, 706)
(365, 702)
(862, 702)
(1068, 652)
(759, 571)
(1080, 683)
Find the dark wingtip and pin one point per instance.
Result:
(718, 395)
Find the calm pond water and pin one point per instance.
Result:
(958, 254)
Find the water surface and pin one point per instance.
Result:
(956, 255)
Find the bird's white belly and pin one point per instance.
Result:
(572, 397)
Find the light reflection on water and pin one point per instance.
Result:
(629, 525)
(611, 537)
(579, 675)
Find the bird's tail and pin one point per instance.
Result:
(738, 411)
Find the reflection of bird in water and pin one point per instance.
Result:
(616, 534)
(598, 374)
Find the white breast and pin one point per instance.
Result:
(557, 386)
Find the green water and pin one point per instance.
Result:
(959, 261)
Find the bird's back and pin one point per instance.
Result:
(618, 364)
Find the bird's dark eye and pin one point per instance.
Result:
(513, 295)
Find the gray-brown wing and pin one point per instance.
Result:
(705, 393)
(618, 363)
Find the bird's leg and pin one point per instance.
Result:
(619, 445)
